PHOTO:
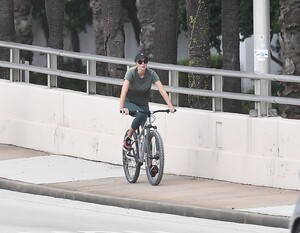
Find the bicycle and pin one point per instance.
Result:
(148, 148)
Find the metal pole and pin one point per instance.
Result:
(52, 64)
(91, 70)
(217, 85)
(173, 82)
(15, 58)
(261, 27)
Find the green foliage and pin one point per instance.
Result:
(39, 79)
(183, 82)
(67, 83)
(184, 62)
(275, 88)
(215, 7)
(248, 105)
(216, 62)
(274, 15)
(38, 8)
(214, 17)
(74, 84)
(79, 14)
(182, 24)
(246, 17)
(246, 20)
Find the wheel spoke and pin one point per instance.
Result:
(155, 160)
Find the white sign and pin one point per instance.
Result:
(261, 54)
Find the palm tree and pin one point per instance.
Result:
(7, 32)
(55, 17)
(166, 24)
(199, 49)
(96, 6)
(23, 30)
(231, 52)
(165, 46)
(289, 21)
(114, 38)
(145, 14)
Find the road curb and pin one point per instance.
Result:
(159, 207)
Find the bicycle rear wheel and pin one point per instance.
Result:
(155, 158)
(131, 164)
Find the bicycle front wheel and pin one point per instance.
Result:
(155, 158)
(131, 164)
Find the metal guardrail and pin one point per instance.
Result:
(91, 78)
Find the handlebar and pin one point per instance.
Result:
(150, 112)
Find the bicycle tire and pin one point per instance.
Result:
(155, 158)
(131, 165)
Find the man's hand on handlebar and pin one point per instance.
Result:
(172, 109)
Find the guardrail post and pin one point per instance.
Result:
(173, 81)
(15, 58)
(24, 74)
(52, 64)
(217, 85)
(91, 70)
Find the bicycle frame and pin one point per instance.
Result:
(148, 149)
(143, 137)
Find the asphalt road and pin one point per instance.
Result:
(26, 213)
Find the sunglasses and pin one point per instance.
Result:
(141, 61)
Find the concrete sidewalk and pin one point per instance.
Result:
(39, 173)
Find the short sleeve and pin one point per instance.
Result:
(129, 74)
(154, 76)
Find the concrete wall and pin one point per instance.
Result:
(232, 147)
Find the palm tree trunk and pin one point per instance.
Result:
(165, 50)
(289, 21)
(23, 29)
(114, 40)
(7, 32)
(199, 50)
(145, 14)
(96, 6)
(55, 17)
(231, 52)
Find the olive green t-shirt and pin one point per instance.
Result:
(139, 88)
